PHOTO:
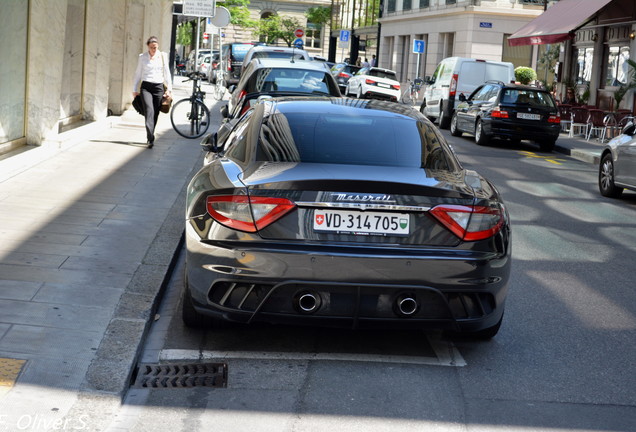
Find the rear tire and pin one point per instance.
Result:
(606, 178)
(444, 120)
(359, 93)
(547, 145)
(193, 319)
(480, 137)
(453, 127)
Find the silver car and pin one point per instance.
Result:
(617, 170)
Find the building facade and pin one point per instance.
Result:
(461, 28)
(70, 62)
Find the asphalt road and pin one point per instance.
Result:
(563, 360)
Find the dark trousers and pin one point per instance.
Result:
(151, 94)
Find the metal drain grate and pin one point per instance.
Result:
(181, 375)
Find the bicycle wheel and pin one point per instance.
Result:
(190, 120)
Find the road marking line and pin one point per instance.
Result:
(447, 356)
(550, 159)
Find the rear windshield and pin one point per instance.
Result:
(289, 80)
(383, 140)
(278, 55)
(382, 74)
(527, 97)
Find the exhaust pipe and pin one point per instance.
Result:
(308, 302)
(406, 305)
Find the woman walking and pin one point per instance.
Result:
(151, 75)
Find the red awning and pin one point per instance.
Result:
(557, 23)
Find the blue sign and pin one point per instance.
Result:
(419, 46)
(485, 24)
(344, 35)
(298, 43)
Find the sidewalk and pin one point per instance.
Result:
(89, 227)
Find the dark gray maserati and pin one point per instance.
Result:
(343, 212)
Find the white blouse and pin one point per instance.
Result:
(154, 70)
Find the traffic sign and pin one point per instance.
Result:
(299, 32)
(298, 43)
(201, 8)
(419, 46)
(344, 35)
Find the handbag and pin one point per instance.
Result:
(166, 103)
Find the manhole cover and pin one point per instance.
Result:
(175, 375)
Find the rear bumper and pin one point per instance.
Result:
(383, 94)
(525, 130)
(456, 290)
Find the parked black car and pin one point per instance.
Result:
(508, 111)
(341, 212)
(342, 72)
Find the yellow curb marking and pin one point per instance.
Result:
(546, 158)
(9, 371)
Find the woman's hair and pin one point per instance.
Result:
(152, 39)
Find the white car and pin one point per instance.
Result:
(374, 83)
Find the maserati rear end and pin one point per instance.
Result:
(342, 212)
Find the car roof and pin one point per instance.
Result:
(288, 64)
(516, 86)
(382, 69)
(334, 105)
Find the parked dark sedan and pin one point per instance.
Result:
(342, 72)
(508, 111)
(617, 170)
(342, 212)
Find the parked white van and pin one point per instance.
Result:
(454, 76)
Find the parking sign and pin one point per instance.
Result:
(344, 35)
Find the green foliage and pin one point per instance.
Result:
(318, 15)
(277, 27)
(184, 34)
(525, 75)
(239, 13)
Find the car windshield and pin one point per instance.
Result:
(379, 139)
(382, 74)
(288, 80)
(527, 97)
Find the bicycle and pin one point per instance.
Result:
(412, 93)
(190, 117)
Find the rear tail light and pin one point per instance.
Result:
(395, 86)
(554, 119)
(499, 113)
(344, 75)
(470, 223)
(370, 82)
(247, 214)
(453, 86)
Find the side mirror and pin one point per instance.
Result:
(231, 88)
(629, 129)
(428, 80)
(462, 97)
(210, 143)
(225, 112)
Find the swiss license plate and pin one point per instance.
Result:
(529, 116)
(361, 223)
(383, 85)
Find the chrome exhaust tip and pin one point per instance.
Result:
(406, 305)
(308, 302)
